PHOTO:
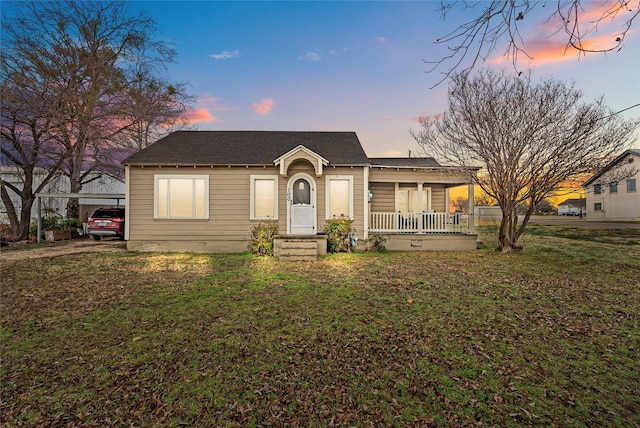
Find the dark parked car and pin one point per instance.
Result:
(106, 222)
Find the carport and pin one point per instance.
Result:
(39, 196)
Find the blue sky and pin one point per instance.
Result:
(349, 65)
(346, 66)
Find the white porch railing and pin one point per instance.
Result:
(423, 222)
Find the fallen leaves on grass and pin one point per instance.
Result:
(197, 340)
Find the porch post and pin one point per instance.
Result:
(471, 207)
(419, 210)
(446, 200)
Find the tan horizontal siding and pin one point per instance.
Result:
(438, 198)
(229, 204)
(229, 190)
(383, 197)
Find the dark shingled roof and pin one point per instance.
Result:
(405, 162)
(248, 148)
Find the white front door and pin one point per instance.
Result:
(302, 211)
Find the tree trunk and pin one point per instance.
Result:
(19, 225)
(75, 179)
(507, 235)
(11, 210)
(25, 218)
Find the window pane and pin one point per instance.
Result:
(339, 198)
(162, 197)
(264, 192)
(631, 185)
(413, 206)
(200, 197)
(403, 201)
(597, 189)
(301, 192)
(181, 197)
(597, 206)
(613, 188)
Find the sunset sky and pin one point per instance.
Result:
(353, 65)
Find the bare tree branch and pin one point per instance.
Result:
(499, 22)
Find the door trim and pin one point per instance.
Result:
(314, 201)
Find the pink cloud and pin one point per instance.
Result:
(381, 39)
(264, 106)
(599, 23)
(200, 115)
(211, 103)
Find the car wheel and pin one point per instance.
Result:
(95, 237)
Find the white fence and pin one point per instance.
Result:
(422, 222)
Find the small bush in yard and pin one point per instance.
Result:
(338, 230)
(262, 238)
(377, 242)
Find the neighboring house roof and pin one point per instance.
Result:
(635, 152)
(404, 162)
(574, 203)
(248, 148)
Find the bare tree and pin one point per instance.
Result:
(26, 144)
(483, 200)
(89, 62)
(460, 204)
(155, 108)
(499, 22)
(529, 136)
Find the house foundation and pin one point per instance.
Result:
(431, 242)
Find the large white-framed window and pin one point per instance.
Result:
(411, 198)
(181, 197)
(264, 197)
(339, 196)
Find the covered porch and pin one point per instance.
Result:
(409, 205)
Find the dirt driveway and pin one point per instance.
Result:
(62, 248)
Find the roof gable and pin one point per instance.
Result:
(248, 148)
(301, 152)
(613, 163)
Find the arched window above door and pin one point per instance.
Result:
(301, 192)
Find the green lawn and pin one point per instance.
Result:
(546, 336)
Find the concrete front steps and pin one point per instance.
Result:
(299, 248)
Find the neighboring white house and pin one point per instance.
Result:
(575, 207)
(102, 184)
(612, 194)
